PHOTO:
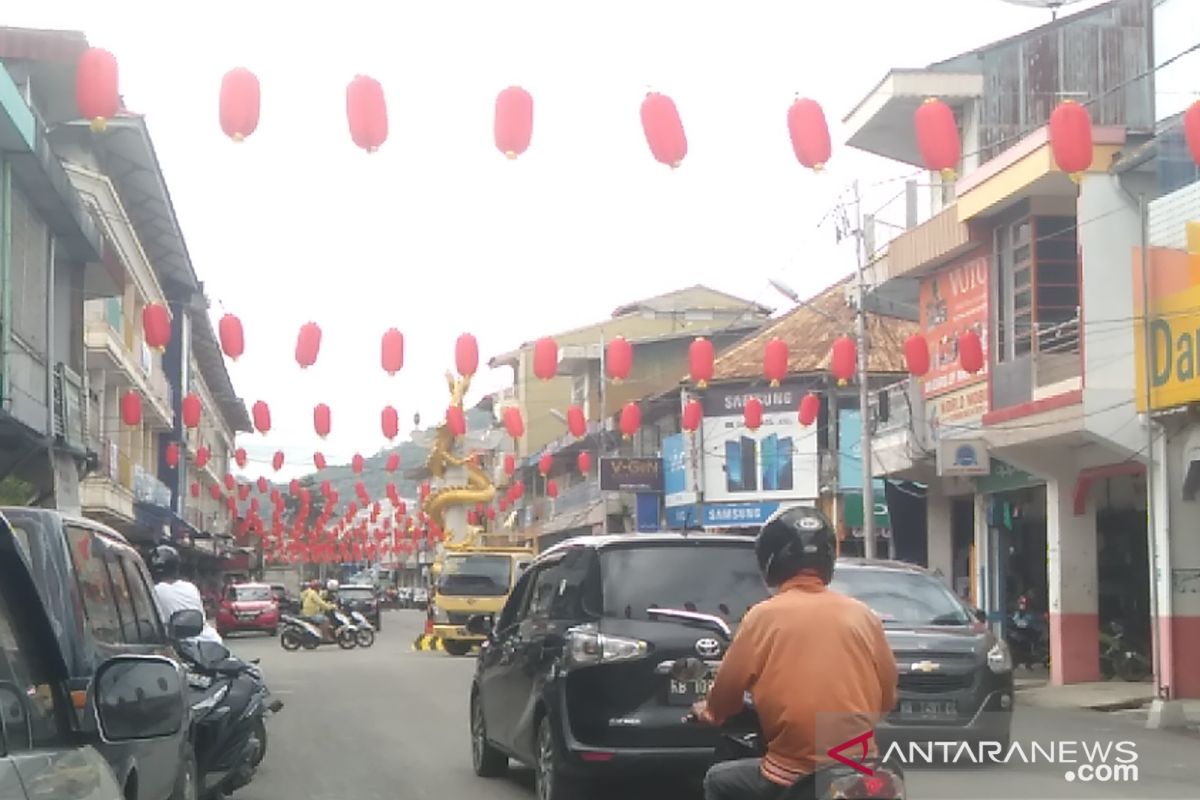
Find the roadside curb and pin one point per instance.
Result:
(427, 642)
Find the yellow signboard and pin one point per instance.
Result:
(1174, 326)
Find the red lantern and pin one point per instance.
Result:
(241, 99)
(389, 421)
(510, 464)
(693, 414)
(752, 413)
(214, 491)
(513, 422)
(263, 486)
(970, 351)
(518, 490)
(916, 354)
(1071, 138)
(584, 462)
(202, 457)
(357, 463)
(545, 464)
(775, 360)
(277, 460)
(631, 419)
(576, 423)
(843, 361)
(195, 489)
(618, 359)
(701, 355)
(938, 137)
(239, 457)
(456, 421)
(545, 358)
(392, 351)
(319, 460)
(230, 482)
(233, 338)
(514, 121)
(664, 130)
(810, 133)
(131, 407)
(97, 87)
(308, 344)
(393, 462)
(466, 355)
(191, 408)
(261, 413)
(491, 512)
(322, 420)
(810, 407)
(156, 325)
(171, 454)
(551, 489)
(366, 112)
(1191, 130)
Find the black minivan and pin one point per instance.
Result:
(578, 677)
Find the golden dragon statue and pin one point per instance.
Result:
(478, 488)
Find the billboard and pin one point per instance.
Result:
(1174, 324)
(954, 299)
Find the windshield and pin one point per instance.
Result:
(251, 594)
(488, 576)
(902, 598)
(718, 579)
(356, 593)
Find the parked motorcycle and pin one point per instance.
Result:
(1028, 641)
(297, 632)
(1117, 658)
(364, 631)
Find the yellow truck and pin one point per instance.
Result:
(470, 582)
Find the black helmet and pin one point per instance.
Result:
(164, 561)
(794, 540)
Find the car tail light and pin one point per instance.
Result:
(883, 785)
(587, 647)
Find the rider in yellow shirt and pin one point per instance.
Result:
(313, 607)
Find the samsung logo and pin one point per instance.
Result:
(781, 398)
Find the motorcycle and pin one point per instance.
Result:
(297, 632)
(1117, 659)
(364, 630)
(1027, 641)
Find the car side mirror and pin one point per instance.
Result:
(480, 624)
(186, 623)
(980, 615)
(139, 697)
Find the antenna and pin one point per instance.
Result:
(1051, 5)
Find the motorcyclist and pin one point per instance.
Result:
(315, 608)
(175, 594)
(815, 662)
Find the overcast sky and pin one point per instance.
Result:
(437, 233)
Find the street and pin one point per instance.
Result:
(390, 723)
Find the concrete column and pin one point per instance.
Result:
(1073, 581)
(939, 534)
(981, 581)
(1178, 625)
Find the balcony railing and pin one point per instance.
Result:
(148, 489)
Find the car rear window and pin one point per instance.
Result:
(902, 598)
(252, 594)
(718, 579)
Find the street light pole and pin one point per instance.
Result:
(864, 390)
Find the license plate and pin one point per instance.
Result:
(929, 709)
(247, 615)
(684, 693)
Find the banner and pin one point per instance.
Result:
(954, 300)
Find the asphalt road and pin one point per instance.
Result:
(391, 724)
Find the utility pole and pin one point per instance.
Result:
(864, 390)
(602, 439)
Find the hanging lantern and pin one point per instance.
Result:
(308, 344)
(810, 407)
(513, 422)
(775, 360)
(664, 130)
(456, 421)
(970, 351)
(202, 456)
(241, 99)
(510, 464)
(156, 325)
(389, 421)
(195, 489)
(518, 490)
(233, 338)
(938, 138)
(466, 355)
(239, 457)
(366, 113)
(263, 486)
(809, 131)
(357, 463)
(618, 358)
(545, 464)
(576, 423)
(843, 362)
(1191, 130)
(230, 482)
(322, 420)
(514, 121)
(261, 413)
(131, 408)
(171, 454)
(277, 460)
(191, 410)
(631, 419)
(545, 358)
(491, 512)
(97, 87)
(319, 460)
(392, 351)
(214, 491)
(700, 361)
(752, 413)
(393, 462)
(916, 355)
(584, 462)
(551, 489)
(693, 414)
(1071, 138)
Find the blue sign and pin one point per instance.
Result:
(674, 456)
(738, 515)
(681, 516)
(647, 512)
(850, 463)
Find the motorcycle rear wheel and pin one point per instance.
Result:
(347, 640)
(365, 637)
(1133, 669)
(290, 640)
(260, 733)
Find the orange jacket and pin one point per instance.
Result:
(819, 669)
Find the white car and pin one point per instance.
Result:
(420, 597)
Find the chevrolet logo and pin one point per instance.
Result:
(926, 666)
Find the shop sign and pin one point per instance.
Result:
(647, 512)
(1174, 326)
(738, 515)
(963, 458)
(631, 474)
(954, 300)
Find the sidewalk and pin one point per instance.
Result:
(1035, 690)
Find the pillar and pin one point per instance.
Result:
(1176, 521)
(1073, 581)
(939, 533)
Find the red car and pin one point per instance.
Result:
(248, 607)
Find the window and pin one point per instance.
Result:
(902, 598)
(255, 594)
(1014, 289)
(129, 628)
(28, 703)
(149, 630)
(1036, 287)
(513, 609)
(99, 596)
(558, 590)
(479, 575)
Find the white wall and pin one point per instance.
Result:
(1176, 28)
(1170, 213)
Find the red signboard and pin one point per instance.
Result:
(954, 299)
